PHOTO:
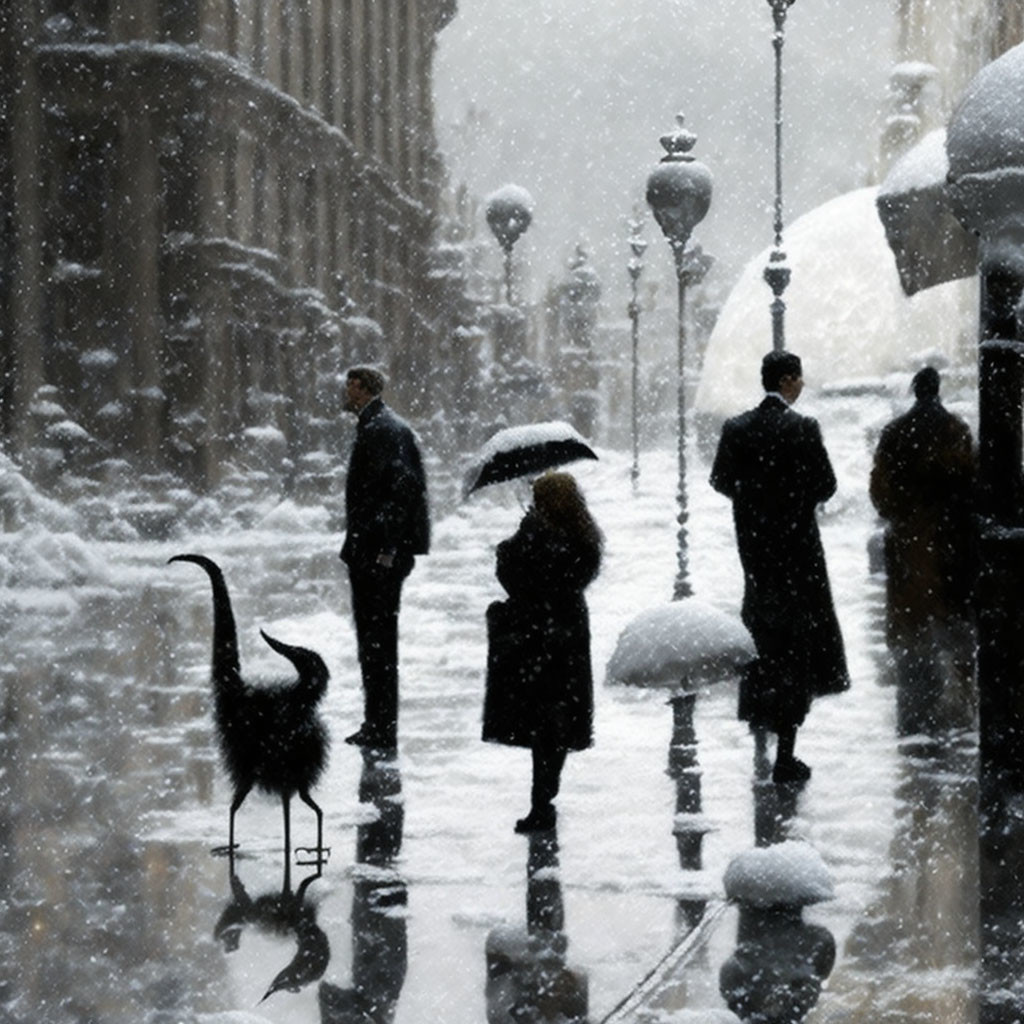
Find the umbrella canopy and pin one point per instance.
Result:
(928, 242)
(680, 645)
(523, 451)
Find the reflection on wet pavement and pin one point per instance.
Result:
(914, 956)
(283, 913)
(1001, 906)
(379, 900)
(776, 972)
(528, 976)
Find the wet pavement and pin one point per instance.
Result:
(429, 907)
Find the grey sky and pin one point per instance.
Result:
(573, 94)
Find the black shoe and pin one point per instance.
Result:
(367, 738)
(540, 819)
(357, 739)
(792, 770)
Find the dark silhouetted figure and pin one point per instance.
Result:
(528, 977)
(539, 680)
(771, 462)
(387, 523)
(272, 736)
(776, 973)
(284, 913)
(922, 484)
(379, 933)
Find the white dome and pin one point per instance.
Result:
(846, 314)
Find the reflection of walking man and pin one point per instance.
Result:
(773, 465)
(387, 524)
(922, 484)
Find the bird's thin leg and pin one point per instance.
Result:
(286, 799)
(320, 851)
(240, 794)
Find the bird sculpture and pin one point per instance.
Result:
(271, 736)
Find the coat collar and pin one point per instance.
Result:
(773, 398)
(370, 410)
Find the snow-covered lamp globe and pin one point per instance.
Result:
(680, 647)
(509, 212)
(679, 188)
(985, 183)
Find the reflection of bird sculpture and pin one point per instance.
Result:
(270, 736)
(281, 913)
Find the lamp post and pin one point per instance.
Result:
(985, 186)
(679, 194)
(635, 266)
(509, 212)
(777, 273)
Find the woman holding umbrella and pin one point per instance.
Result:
(539, 690)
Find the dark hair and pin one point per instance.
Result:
(779, 364)
(926, 383)
(369, 376)
(559, 500)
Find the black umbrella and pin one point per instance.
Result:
(522, 451)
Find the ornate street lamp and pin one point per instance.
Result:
(635, 266)
(777, 273)
(679, 194)
(509, 212)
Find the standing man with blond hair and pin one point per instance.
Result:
(387, 523)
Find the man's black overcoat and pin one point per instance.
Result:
(386, 509)
(772, 463)
(922, 483)
(540, 687)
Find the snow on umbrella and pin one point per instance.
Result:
(521, 451)
(928, 242)
(680, 645)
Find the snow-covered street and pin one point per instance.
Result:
(116, 799)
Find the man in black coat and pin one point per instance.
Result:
(922, 484)
(772, 463)
(387, 523)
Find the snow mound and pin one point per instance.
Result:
(21, 504)
(681, 645)
(846, 312)
(790, 874)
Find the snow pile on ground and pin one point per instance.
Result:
(790, 874)
(21, 504)
(39, 545)
(682, 644)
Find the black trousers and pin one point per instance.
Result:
(547, 774)
(376, 597)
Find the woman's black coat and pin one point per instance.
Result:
(539, 680)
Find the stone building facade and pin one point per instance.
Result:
(938, 51)
(210, 208)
